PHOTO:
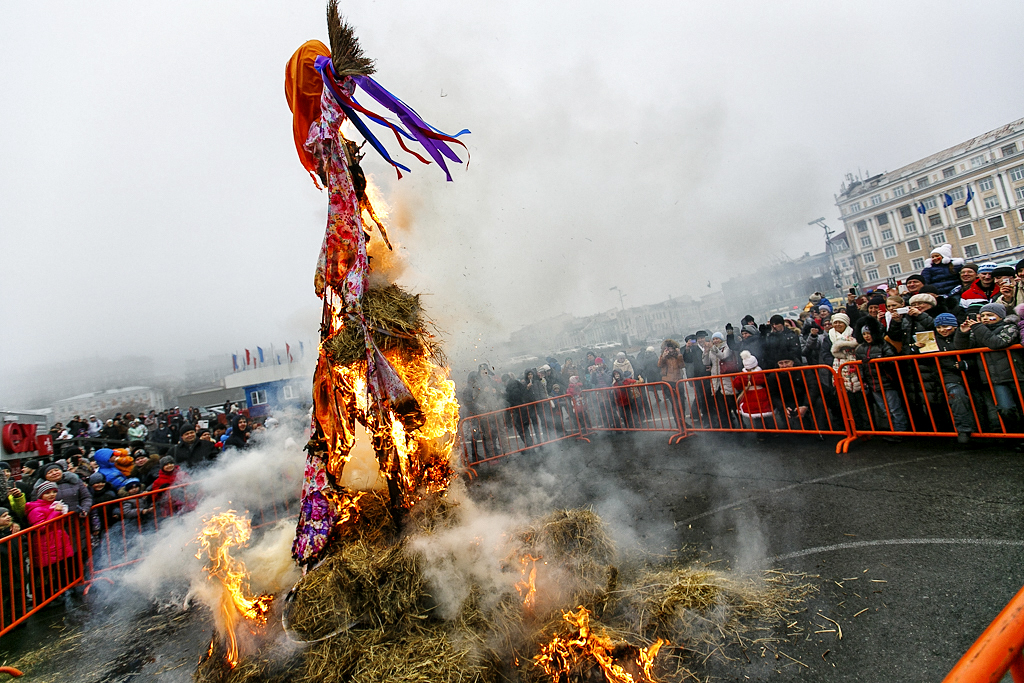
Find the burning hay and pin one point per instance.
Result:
(397, 323)
(369, 611)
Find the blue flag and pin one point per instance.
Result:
(234, 361)
(947, 200)
(970, 195)
(302, 350)
(921, 209)
(278, 359)
(260, 351)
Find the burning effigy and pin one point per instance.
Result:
(398, 584)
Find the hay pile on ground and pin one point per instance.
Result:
(397, 321)
(366, 613)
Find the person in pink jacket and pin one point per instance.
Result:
(51, 546)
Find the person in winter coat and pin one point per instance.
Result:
(623, 365)
(625, 412)
(879, 383)
(721, 360)
(842, 345)
(195, 452)
(670, 362)
(70, 489)
(51, 546)
(11, 497)
(753, 403)
(123, 461)
(135, 512)
(944, 271)
(95, 427)
(781, 342)
(101, 516)
(515, 397)
(170, 475)
(996, 331)
(240, 432)
(12, 566)
(751, 341)
(575, 393)
(943, 378)
(146, 467)
(107, 469)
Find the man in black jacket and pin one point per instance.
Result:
(193, 451)
(780, 343)
(515, 396)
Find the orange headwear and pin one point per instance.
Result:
(302, 87)
(123, 461)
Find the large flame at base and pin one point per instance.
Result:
(220, 533)
(563, 656)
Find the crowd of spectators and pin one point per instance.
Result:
(85, 473)
(950, 306)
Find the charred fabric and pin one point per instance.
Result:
(547, 600)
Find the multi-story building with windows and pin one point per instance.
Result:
(970, 195)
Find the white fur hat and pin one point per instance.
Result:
(749, 362)
(945, 251)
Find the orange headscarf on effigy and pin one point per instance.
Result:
(303, 87)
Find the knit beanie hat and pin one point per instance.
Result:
(187, 427)
(915, 276)
(945, 251)
(841, 318)
(998, 309)
(749, 361)
(972, 266)
(97, 478)
(945, 319)
(3, 510)
(876, 300)
(750, 329)
(777, 320)
(923, 299)
(5, 466)
(987, 267)
(718, 335)
(166, 460)
(44, 487)
(51, 466)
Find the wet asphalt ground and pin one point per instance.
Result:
(914, 547)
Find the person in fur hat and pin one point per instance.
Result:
(944, 271)
(995, 330)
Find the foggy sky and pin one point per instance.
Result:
(151, 200)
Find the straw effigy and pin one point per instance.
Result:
(366, 614)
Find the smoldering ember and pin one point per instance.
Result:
(803, 469)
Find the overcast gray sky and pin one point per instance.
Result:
(151, 201)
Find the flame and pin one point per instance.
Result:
(528, 587)
(221, 533)
(563, 654)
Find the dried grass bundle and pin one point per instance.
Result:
(346, 53)
(397, 321)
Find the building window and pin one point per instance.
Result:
(985, 184)
(1020, 192)
(913, 245)
(862, 226)
(910, 228)
(966, 231)
(1000, 243)
(917, 264)
(887, 234)
(905, 211)
(1021, 212)
(258, 398)
(898, 191)
(883, 218)
(876, 199)
(894, 270)
(1016, 173)
(865, 242)
(890, 252)
(995, 223)
(971, 251)
(948, 172)
(977, 161)
(872, 274)
(934, 220)
(288, 392)
(963, 212)
(956, 193)
(1009, 150)
(992, 202)
(930, 203)
(922, 181)
(869, 257)
(938, 239)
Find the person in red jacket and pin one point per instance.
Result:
(753, 403)
(51, 547)
(170, 475)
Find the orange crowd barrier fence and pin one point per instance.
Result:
(800, 400)
(648, 407)
(497, 434)
(945, 393)
(39, 564)
(998, 649)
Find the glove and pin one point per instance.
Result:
(962, 366)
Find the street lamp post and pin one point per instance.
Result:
(836, 275)
(621, 296)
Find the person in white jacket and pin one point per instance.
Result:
(721, 360)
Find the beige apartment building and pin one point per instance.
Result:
(970, 195)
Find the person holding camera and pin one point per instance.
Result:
(994, 329)
(944, 378)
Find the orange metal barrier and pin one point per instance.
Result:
(799, 400)
(39, 564)
(650, 407)
(997, 650)
(500, 433)
(938, 394)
